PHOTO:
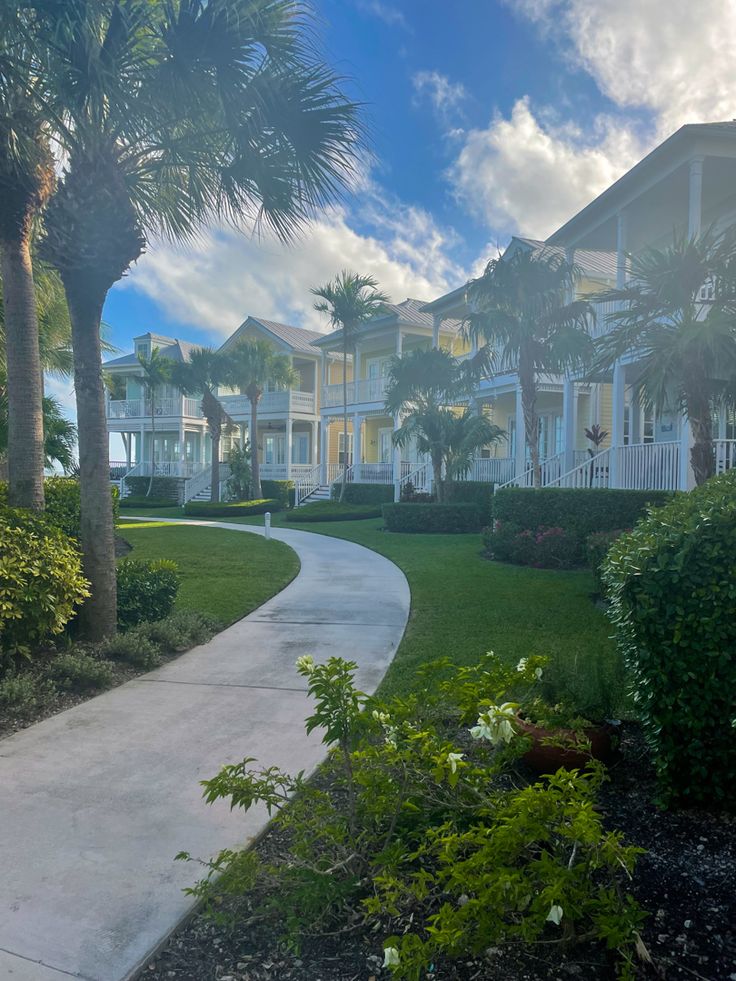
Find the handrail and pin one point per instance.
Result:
(526, 478)
(585, 474)
(420, 478)
(197, 482)
(307, 484)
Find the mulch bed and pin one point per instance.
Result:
(686, 881)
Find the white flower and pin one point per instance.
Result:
(538, 674)
(495, 725)
(305, 664)
(555, 915)
(453, 759)
(521, 666)
(390, 957)
(383, 717)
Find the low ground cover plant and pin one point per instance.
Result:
(334, 511)
(147, 590)
(453, 519)
(671, 583)
(233, 509)
(79, 671)
(421, 829)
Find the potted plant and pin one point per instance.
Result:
(561, 737)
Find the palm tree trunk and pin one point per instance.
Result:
(437, 475)
(531, 419)
(702, 453)
(25, 378)
(215, 434)
(255, 463)
(99, 614)
(344, 418)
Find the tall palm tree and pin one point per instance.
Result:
(172, 114)
(521, 307)
(26, 181)
(156, 373)
(252, 366)
(678, 313)
(425, 387)
(350, 300)
(200, 376)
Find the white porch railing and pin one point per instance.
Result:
(593, 472)
(197, 483)
(494, 470)
(647, 466)
(139, 409)
(420, 478)
(307, 483)
(601, 311)
(373, 473)
(362, 390)
(725, 454)
(550, 471)
(273, 403)
(192, 408)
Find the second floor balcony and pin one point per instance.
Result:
(362, 390)
(163, 407)
(286, 402)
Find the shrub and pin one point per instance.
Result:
(478, 492)
(580, 511)
(133, 647)
(144, 502)
(672, 588)
(230, 509)
(169, 489)
(41, 581)
(180, 631)
(410, 495)
(281, 491)
(62, 503)
(80, 672)
(596, 549)
(453, 519)
(241, 477)
(542, 548)
(24, 694)
(146, 590)
(364, 493)
(334, 511)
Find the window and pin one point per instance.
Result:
(341, 449)
(385, 446)
(141, 349)
(300, 448)
(274, 449)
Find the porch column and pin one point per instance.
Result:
(635, 434)
(399, 343)
(128, 444)
(289, 442)
(569, 422)
(182, 449)
(357, 446)
(324, 438)
(142, 455)
(313, 459)
(695, 196)
(397, 462)
(617, 422)
(436, 324)
(520, 453)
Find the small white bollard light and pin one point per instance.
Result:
(267, 523)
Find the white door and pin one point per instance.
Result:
(385, 446)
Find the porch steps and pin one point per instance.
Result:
(322, 493)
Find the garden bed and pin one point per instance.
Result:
(684, 881)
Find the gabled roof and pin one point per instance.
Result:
(408, 313)
(169, 347)
(297, 338)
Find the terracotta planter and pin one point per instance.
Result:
(544, 757)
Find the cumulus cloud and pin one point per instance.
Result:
(445, 96)
(526, 174)
(660, 63)
(227, 276)
(386, 12)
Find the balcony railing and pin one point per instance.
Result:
(362, 390)
(141, 409)
(600, 325)
(278, 403)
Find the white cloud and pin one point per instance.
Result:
(216, 284)
(527, 174)
(386, 12)
(663, 63)
(444, 96)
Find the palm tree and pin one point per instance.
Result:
(252, 366)
(26, 181)
(172, 114)
(521, 307)
(60, 435)
(156, 372)
(200, 376)
(425, 387)
(350, 300)
(678, 313)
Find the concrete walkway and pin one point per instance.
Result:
(97, 801)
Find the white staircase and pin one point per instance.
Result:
(321, 493)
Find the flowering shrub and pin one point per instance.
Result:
(541, 547)
(441, 851)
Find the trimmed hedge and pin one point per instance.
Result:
(144, 502)
(579, 510)
(62, 503)
(169, 489)
(451, 519)
(147, 590)
(230, 509)
(671, 583)
(364, 493)
(334, 511)
(478, 492)
(542, 548)
(279, 490)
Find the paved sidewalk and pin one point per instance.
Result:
(95, 802)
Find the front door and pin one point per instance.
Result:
(385, 447)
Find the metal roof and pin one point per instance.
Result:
(168, 347)
(408, 313)
(297, 338)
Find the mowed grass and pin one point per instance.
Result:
(464, 605)
(225, 574)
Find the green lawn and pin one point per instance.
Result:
(224, 573)
(464, 605)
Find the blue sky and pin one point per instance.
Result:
(486, 119)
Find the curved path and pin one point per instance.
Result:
(96, 801)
